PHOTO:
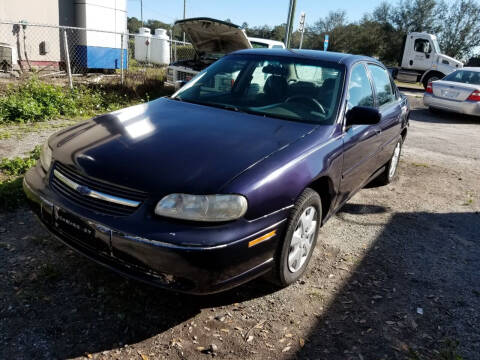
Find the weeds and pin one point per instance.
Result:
(11, 175)
(38, 101)
(19, 166)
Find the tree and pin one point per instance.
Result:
(416, 15)
(461, 29)
(333, 25)
(382, 13)
(133, 24)
(245, 25)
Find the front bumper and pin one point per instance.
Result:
(201, 269)
(461, 107)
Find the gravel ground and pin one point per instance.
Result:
(395, 275)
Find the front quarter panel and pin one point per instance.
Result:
(276, 182)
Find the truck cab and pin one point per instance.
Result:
(423, 61)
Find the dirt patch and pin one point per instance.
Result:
(395, 275)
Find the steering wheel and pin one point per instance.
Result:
(313, 101)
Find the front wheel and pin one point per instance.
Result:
(430, 78)
(300, 239)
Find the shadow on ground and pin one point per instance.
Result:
(56, 304)
(442, 117)
(413, 296)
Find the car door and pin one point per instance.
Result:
(360, 142)
(388, 101)
(422, 55)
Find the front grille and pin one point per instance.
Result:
(98, 205)
(184, 76)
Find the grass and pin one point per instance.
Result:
(11, 175)
(416, 86)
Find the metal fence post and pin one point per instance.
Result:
(175, 51)
(171, 46)
(121, 61)
(67, 59)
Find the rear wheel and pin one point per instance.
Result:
(391, 168)
(300, 239)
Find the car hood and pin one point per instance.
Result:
(210, 36)
(451, 60)
(167, 146)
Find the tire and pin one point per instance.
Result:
(392, 166)
(287, 271)
(432, 77)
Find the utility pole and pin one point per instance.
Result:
(141, 11)
(301, 28)
(184, 12)
(288, 30)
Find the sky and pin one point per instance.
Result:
(254, 12)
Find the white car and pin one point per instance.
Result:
(457, 92)
(211, 39)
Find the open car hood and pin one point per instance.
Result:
(210, 36)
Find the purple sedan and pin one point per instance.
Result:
(228, 179)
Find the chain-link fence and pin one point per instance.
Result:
(77, 55)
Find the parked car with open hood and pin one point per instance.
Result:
(216, 185)
(211, 39)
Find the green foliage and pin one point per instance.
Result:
(38, 101)
(11, 171)
(18, 165)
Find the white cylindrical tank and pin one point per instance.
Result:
(143, 45)
(100, 49)
(160, 52)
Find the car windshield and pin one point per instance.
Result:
(274, 86)
(464, 76)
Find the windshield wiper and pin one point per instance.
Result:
(217, 105)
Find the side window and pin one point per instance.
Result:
(423, 46)
(359, 89)
(383, 86)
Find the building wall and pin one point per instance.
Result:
(37, 39)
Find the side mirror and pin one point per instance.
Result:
(362, 115)
(179, 84)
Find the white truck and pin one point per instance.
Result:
(422, 60)
(211, 39)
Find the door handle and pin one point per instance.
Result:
(378, 131)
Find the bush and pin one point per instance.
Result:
(37, 101)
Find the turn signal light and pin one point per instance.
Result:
(429, 89)
(474, 96)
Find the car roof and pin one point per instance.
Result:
(327, 56)
(470, 68)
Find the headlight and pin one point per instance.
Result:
(202, 207)
(46, 156)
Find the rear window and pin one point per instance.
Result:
(383, 85)
(464, 76)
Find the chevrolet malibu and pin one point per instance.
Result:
(228, 179)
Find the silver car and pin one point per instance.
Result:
(458, 92)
